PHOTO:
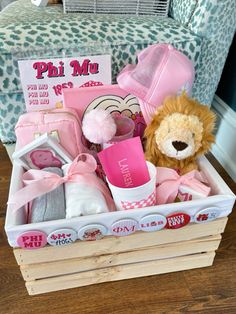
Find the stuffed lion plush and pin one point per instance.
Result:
(180, 131)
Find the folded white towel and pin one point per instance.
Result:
(82, 199)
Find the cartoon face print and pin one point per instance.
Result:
(44, 158)
(117, 105)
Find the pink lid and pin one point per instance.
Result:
(161, 71)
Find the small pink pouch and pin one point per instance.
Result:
(124, 164)
(161, 71)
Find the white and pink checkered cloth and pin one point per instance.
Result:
(150, 201)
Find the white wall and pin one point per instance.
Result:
(225, 148)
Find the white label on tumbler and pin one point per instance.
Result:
(153, 222)
(138, 197)
(207, 214)
(62, 237)
(124, 227)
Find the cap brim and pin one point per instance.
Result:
(148, 110)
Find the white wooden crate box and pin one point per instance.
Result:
(223, 200)
(114, 258)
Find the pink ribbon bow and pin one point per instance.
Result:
(169, 182)
(39, 182)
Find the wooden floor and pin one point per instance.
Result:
(206, 290)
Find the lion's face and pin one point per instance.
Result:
(180, 131)
(179, 135)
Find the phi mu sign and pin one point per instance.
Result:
(44, 80)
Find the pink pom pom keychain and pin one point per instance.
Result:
(98, 126)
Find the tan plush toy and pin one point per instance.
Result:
(180, 131)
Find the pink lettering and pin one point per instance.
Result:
(44, 101)
(128, 229)
(36, 238)
(43, 94)
(50, 68)
(202, 217)
(32, 87)
(33, 102)
(43, 86)
(33, 95)
(118, 230)
(177, 220)
(41, 68)
(61, 69)
(124, 168)
(37, 244)
(28, 244)
(93, 68)
(25, 238)
(153, 224)
(79, 70)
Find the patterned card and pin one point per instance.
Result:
(43, 80)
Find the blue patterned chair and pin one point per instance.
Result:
(202, 29)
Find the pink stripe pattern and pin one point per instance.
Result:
(150, 201)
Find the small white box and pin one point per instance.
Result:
(44, 143)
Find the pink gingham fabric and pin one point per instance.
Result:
(150, 201)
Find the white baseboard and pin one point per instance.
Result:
(225, 148)
(10, 148)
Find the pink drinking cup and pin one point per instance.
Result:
(125, 130)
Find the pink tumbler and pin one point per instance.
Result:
(125, 130)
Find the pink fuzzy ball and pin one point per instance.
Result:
(98, 126)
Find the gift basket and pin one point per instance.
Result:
(123, 164)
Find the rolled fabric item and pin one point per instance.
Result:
(50, 206)
(82, 198)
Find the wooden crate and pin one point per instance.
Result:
(116, 258)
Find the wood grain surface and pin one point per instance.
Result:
(204, 290)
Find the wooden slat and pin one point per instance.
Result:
(110, 245)
(50, 269)
(120, 272)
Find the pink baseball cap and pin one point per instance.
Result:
(161, 71)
